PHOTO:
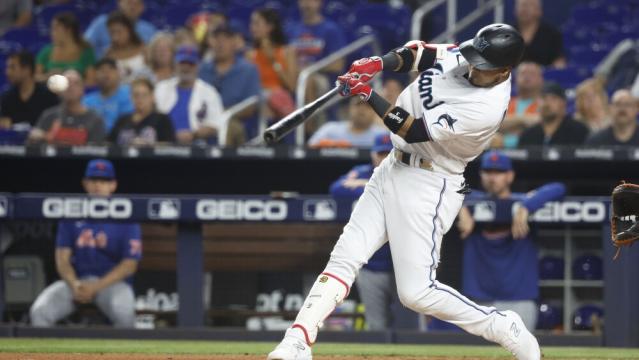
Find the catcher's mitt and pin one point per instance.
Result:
(625, 215)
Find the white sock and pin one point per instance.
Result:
(327, 292)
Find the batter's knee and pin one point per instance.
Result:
(416, 298)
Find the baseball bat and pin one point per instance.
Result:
(281, 128)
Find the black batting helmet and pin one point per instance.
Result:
(495, 46)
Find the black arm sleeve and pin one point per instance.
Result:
(402, 59)
(379, 104)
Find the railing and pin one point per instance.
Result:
(302, 80)
(228, 114)
(453, 26)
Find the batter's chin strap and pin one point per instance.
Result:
(399, 121)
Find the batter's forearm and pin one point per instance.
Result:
(398, 120)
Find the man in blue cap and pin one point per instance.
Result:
(500, 266)
(375, 284)
(95, 261)
(195, 107)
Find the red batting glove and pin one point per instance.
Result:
(350, 85)
(366, 68)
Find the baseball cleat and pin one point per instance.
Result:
(292, 347)
(517, 339)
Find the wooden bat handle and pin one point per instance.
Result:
(281, 128)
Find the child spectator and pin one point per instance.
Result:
(145, 126)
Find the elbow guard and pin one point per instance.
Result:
(400, 122)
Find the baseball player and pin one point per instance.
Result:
(95, 261)
(440, 122)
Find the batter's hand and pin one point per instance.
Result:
(365, 69)
(465, 223)
(520, 223)
(350, 85)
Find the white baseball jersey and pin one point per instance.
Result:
(460, 118)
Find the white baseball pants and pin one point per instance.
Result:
(413, 208)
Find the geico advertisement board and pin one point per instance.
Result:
(92, 208)
(230, 209)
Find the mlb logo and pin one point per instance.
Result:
(319, 210)
(484, 211)
(165, 209)
(4, 207)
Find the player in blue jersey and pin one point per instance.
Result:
(500, 260)
(95, 260)
(375, 284)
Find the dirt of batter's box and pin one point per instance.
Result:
(14, 356)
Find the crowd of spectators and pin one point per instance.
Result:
(194, 75)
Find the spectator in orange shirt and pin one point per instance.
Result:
(275, 60)
(523, 109)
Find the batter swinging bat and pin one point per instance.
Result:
(281, 128)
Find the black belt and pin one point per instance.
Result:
(404, 157)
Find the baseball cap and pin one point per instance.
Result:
(495, 160)
(382, 143)
(188, 54)
(553, 88)
(100, 169)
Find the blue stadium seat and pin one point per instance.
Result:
(8, 47)
(4, 85)
(568, 77)
(588, 54)
(177, 16)
(44, 15)
(242, 13)
(22, 35)
(29, 38)
(390, 33)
